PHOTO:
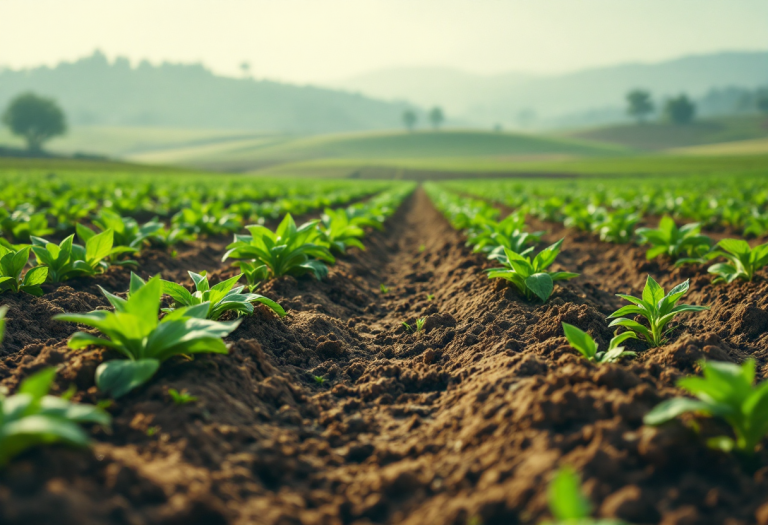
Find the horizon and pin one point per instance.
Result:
(477, 38)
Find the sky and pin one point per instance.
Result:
(318, 41)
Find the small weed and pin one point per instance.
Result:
(181, 398)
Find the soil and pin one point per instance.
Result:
(464, 422)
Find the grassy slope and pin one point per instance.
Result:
(257, 154)
(123, 141)
(660, 135)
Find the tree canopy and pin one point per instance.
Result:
(409, 119)
(640, 104)
(36, 119)
(436, 117)
(680, 109)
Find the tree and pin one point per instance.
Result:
(680, 109)
(762, 100)
(409, 119)
(436, 117)
(640, 104)
(245, 67)
(35, 118)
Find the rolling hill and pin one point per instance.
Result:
(250, 155)
(662, 135)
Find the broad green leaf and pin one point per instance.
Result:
(540, 284)
(98, 247)
(580, 340)
(118, 377)
(671, 408)
(566, 500)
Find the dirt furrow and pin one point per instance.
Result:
(338, 415)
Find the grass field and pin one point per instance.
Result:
(259, 153)
(125, 141)
(662, 135)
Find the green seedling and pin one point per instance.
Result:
(383, 289)
(319, 379)
(727, 391)
(339, 230)
(417, 328)
(422, 248)
(617, 227)
(531, 276)
(287, 251)
(430, 297)
(683, 245)
(102, 248)
(3, 311)
(223, 297)
(658, 310)
(12, 263)
(567, 502)
(254, 275)
(743, 261)
(587, 346)
(151, 431)
(127, 231)
(32, 418)
(145, 342)
(181, 398)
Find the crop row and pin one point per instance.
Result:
(613, 207)
(681, 245)
(41, 206)
(143, 331)
(726, 390)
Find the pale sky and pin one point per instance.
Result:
(318, 41)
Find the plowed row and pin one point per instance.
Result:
(462, 423)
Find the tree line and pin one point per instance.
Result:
(679, 109)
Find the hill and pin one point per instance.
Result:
(248, 155)
(593, 95)
(662, 135)
(94, 91)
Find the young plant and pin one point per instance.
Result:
(658, 310)
(134, 331)
(12, 263)
(67, 259)
(617, 227)
(127, 231)
(531, 276)
(254, 275)
(31, 418)
(339, 232)
(384, 289)
(87, 235)
(287, 251)
(683, 245)
(587, 346)
(567, 502)
(727, 391)
(223, 297)
(3, 311)
(415, 329)
(743, 261)
(181, 398)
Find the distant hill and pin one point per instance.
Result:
(583, 97)
(255, 154)
(658, 135)
(94, 91)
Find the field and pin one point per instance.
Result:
(405, 383)
(663, 136)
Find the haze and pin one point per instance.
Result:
(323, 41)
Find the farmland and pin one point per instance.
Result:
(256, 349)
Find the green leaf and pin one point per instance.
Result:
(118, 377)
(735, 246)
(652, 293)
(566, 501)
(38, 384)
(98, 247)
(540, 284)
(580, 340)
(671, 408)
(36, 276)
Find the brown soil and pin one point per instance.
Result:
(462, 423)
